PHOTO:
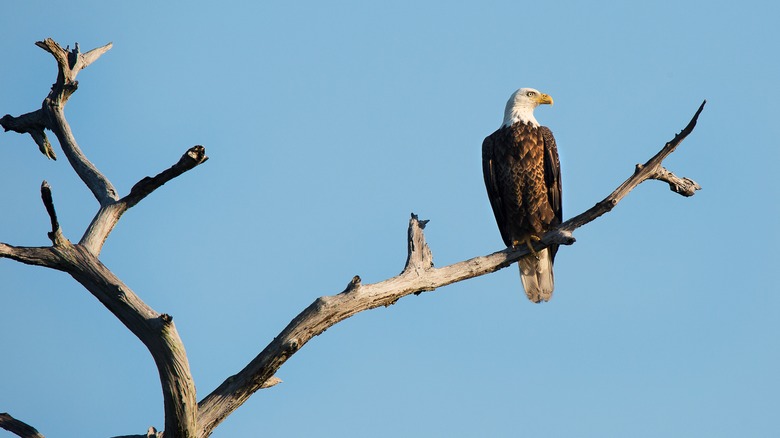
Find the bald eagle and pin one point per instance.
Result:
(523, 180)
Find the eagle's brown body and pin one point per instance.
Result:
(523, 180)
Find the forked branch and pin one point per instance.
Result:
(51, 116)
(650, 170)
(70, 63)
(107, 217)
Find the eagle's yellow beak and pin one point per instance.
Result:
(544, 98)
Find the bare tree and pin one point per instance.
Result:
(184, 417)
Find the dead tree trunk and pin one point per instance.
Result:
(183, 416)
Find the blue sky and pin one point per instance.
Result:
(327, 123)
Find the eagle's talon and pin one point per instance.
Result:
(528, 242)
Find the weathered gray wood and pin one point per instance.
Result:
(650, 170)
(107, 217)
(69, 64)
(155, 330)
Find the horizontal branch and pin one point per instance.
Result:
(36, 256)
(24, 123)
(33, 123)
(419, 275)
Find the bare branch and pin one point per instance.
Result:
(55, 235)
(40, 138)
(36, 256)
(34, 124)
(48, 202)
(108, 216)
(155, 330)
(649, 170)
(18, 427)
(51, 116)
(98, 184)
(193, 157)
(92, 56)
(682, 186)
(101, 226)
(24, 123)
(60, 55)
(418, 276)
(70, 64)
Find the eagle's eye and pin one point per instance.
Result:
(530, 94)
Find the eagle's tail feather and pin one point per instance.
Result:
(537, 276)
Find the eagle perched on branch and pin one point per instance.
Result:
(523, 180)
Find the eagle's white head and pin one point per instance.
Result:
(520, 106)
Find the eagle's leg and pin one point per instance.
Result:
(528, 241)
